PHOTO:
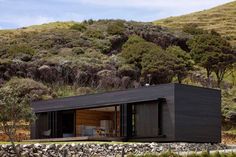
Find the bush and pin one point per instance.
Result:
(127, 70)
(79, 27)
(92, 33)
(193, 29)
(158, 66)
(78, 50)
(134, 49)
(103, 46)
(26, 86)
(21, 49)
(116, 28)
(90, 21)
(84, 90)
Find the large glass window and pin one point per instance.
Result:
(102, 122)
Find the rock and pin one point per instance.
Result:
(86, 150)
(44, 68)
(51, 146)
(25, 154)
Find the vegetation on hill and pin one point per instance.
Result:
(65, 59)
(221, 18)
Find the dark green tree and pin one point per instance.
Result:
(157, 66)
(134, 49)
(182, 62)
(208, 48)
(15, 110)
(222, 63)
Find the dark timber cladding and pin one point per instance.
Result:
(162, 113)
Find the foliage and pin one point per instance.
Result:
(84, 90)
(34, 90)
(63, 90)
(157, 66)
(128, 70)
(93, 33)
(15, 109)
(21, 49)
(183, 62)
(90, 21)
(207, 42)
(221, 18)
(134, 49)
(79, 27)
(222, 62)
(171, 154)
(193, 29)
(116, 28)
(212, 52)
(78, 50)
(228, 101)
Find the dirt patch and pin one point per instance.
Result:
(228, 138)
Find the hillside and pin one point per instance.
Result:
(63, 54)
(70, 58)
(221, 18)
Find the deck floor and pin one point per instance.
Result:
(81, 138)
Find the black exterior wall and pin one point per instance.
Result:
(185, 113)
(197, 114)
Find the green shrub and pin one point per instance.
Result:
(26, 86)
(90, 21)
(102, 45)
(84, 90)
(193, 29)
(127, 70)
(116, 28)
(79, 27)
(78, 50)
(21, 49)
(64, 90)
(92, 33)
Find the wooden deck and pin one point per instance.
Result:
(81, 138)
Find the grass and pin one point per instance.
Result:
(231, 131)
(221, 18)
(73, 142)
(171, 154)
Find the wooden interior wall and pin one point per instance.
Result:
(92, 118)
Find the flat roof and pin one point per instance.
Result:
(141, 94)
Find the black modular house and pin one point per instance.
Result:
(163, 113)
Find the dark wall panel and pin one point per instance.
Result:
(197, 114)
(146, 119)
(41, 124)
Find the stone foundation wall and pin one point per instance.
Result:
(103, 149)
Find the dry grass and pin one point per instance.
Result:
(221, 18)
(228, 138)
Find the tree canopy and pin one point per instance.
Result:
(212, 52)
(15, 110)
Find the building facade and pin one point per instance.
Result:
(162, 113)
